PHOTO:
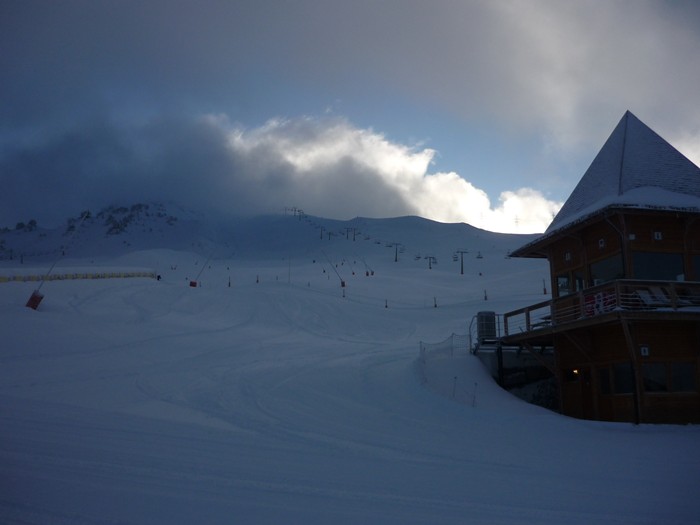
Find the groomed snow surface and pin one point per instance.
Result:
(283, 400)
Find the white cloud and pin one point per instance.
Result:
(554, 75)
(578, 66)
(527, 209)
(329, 167)
(324, 165)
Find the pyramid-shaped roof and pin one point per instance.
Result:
(634, 168)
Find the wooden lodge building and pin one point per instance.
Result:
(624, 257)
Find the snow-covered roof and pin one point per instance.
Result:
(634, 168)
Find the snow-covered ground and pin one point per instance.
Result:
(286, 398)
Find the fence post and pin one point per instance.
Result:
(527, 319)
(674, 296)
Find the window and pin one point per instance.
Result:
(623, 378)
(658, 266)
(570, 282)
(607, 270)
(562, 285)
(683, 377)
(654, 377)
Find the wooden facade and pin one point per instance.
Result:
(624, 319)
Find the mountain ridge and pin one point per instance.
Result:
(117, 230)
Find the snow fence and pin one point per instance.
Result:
(76, 275)
(443, 369)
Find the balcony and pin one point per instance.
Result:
(632, 298)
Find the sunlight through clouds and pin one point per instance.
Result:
(480, 111)
(326, 152)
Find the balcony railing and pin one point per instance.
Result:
(621, 295)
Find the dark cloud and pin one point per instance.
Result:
(188, 161)
(102, 100)
(541, 64)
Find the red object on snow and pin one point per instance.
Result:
(34, 300)
(193, 284)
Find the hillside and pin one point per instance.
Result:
(271, 393)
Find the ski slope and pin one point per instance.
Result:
(286, 398)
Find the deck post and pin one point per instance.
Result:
(499, 360)
(635, 371)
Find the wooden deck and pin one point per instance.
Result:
(609, 302)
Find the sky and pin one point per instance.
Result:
(485, 112)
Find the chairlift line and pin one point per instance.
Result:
(204, 266)
(333, 266)
(36, 297)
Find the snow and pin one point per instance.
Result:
(288, 399)
(635, 167)
(641, 198)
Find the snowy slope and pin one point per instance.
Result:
(285, 398)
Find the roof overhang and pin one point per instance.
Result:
(537, 249)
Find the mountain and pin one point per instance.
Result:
(119, 230)
(111, 231)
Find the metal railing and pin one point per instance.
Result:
(621, 295)
(455, 343)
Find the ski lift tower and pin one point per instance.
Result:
(461, 256)
(396, 246)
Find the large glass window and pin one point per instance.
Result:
(655, 379)
(658, 266)
(683, 377)
(623, 378)
(579, 281)
(607, 270)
